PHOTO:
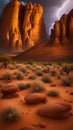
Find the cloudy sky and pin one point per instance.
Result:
(53, 9)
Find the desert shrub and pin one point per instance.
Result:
(53, 72)
(59, 63)
(39, 73)
(5, 60)
(53, 93)
(6, 76)
(23, 69)
(61, 72)
(17, 66)
(67, 81)
(28, 66)
(22, 85)
(48, 67)
(28, 85)
(66, 68)
(71, 66)
(11, 67)
(19, 75)
(46, 70)
(46, 79)
(35, 69)
(38, 86)
(31, 62)
(11, 114)
(47, 63)
(50, 63)
(32, 77)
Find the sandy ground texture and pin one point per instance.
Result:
(29, 116)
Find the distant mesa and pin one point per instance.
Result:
(21, 27)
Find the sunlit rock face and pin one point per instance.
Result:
(33, 30)
(9, 29)
(21, 27)
(63, 30)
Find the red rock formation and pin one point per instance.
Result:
(21, 26)
(58, 48)
(33, 25)
(63, 30)
(9, 28)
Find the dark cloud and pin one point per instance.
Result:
(2, 5)
(52, 9)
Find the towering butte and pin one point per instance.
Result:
(21, 27)
(62, 33)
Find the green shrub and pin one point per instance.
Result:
(17, 66)
(71, 67)
(67, 81)
(39, 73)
(22, 85)
(46, 70)
(11, 67)
(6, 76)
(46, 79)
(50, 63)
(53, 93)
(28, 66)
(59, 63)
(66, 68)
(11, 114)
(23, 69)
(61, 72)
(5, 58)
(28, 85)
(31, 62)
(53, 72)
(32, 77)
(37, 86)
(19, 75)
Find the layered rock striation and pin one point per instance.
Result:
(21, 27)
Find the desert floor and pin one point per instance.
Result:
(29, 114)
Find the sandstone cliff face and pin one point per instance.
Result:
(62, 33)
(33, 30)
(21, 26)
(9, 27)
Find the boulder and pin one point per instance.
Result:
(11, 95)
(35, 98)
(7, 89)
(55, 110)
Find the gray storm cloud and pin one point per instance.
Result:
(53, 9)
